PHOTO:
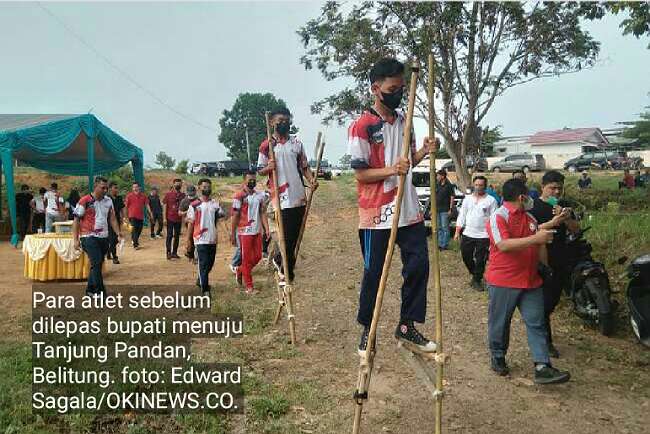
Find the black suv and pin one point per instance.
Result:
(231, 168)
(616, 160)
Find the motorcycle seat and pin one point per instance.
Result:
(587, 266)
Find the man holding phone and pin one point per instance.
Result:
(551, 216)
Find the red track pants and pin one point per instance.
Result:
(251, 254)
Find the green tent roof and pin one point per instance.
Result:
(64, 144)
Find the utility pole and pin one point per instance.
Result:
(248, 148)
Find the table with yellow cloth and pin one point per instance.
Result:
(52, 256)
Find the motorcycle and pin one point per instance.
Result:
(589, 286)
(638, 297)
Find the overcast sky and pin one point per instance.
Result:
(196, 58)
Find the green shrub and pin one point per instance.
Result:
(123, 176)
(601, 200)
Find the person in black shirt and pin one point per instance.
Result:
(72, 200)
(551, 216)
(118, 207)
(584, 182)
(157, 213)
(24, 210)
(445, 194)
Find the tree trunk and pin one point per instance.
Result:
(463, 177)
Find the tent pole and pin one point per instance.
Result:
(91, 162)
(7, 163)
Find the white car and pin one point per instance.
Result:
(421, 178)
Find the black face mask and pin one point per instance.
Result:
(283, 128)
(177, 187)
(251, 184)
(206, 191)
(393, 100)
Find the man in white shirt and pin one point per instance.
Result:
(93, 215)
(54, 204)
(473, 216)
(291, 166)
(202, 217)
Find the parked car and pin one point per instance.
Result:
(525, 162)
(207, 168)
(616, 160)
(324, 171)
(194, 168)
(475, 164)
(232, 168)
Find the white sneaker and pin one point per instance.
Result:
(233, 269)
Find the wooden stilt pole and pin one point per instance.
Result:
(437, 294)
(285, 289)
(319, 146)
(366, 362)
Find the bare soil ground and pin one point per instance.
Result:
(609, 391)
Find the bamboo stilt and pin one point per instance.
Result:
(437, 288)
(310, 194)
(283, 246)
(367, 360)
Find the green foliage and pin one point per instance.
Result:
(608, 229)
(247, 114)
(605, 193)
(637, 21)
(123, 176)
(489, 136)
(640, 130)
(481, 49)
(345, 160)
(182, 166)
(596, 200)
(442, 153)
(164, 161)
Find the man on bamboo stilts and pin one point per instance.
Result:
(375, 144)
(292, 167)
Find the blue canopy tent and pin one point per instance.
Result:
(63, 144)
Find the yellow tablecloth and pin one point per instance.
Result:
(52, 266)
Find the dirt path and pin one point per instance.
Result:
(609, 391)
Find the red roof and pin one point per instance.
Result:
(565, 135)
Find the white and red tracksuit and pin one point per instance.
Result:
(249, 204)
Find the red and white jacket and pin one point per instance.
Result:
(93, 216)
(374, 143)
(249, 205)
(204, 216)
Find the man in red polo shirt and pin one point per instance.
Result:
(136, 202)
(171, 205)
(516, 249)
